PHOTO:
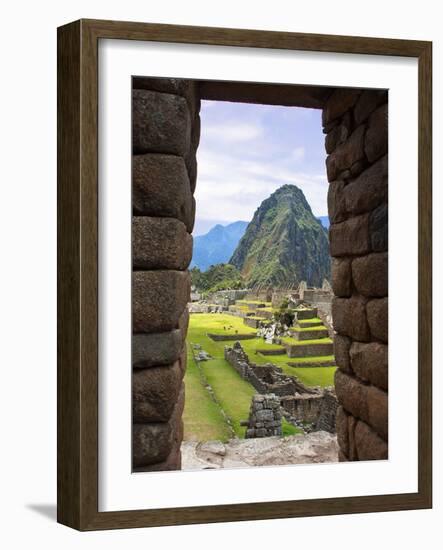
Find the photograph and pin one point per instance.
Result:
(260, 274)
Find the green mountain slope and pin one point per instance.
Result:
(284, 243)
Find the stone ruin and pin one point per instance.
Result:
(265, 418)
(300, 404)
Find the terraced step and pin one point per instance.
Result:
(309, 365)
(255, 321)
(306, 313)
(308, 348)
(310, 334)
(308, 323)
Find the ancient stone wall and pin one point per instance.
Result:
(264, 417)
(356, 127)
(166, 128)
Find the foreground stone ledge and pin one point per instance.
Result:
(161, 123)
(158, 299)
(160, 243)
(368, 444)
(370, 275)
(157, 348)
(349, 317)
(370, 363)
(377, 313)
(350, 237)
(341, 277)
(161, 187)
(154, 392)
(153, 443)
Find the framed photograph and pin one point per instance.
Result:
(244, 275)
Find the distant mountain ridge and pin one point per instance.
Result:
(217, 246)
(284, 243)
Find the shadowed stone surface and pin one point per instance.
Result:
(377, 313)
(370, 363)
(351, 394)
(160, 243)
(161, 187)
(153, 443)
(367, 103)
(368, 444)
(341, 277)
(161, 123)
(370, 274)
(154, 392)
(368, 190)
(341, 424)
(377, 411)
(158, 299)
(378, 227)
(349, 317)
(350, 237)
(340, 101)
(336, 201)
(157, 348)
(347, 155)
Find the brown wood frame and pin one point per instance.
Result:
(77, 456)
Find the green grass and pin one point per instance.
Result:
(317, 376)
(233, 393)
(216, 323)
(203, 420)
(289, 429)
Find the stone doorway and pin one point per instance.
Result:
(166, 132)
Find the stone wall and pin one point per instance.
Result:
(166, 128)
(356, 127)
(264, 378)
(264, 417)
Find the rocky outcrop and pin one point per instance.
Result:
(313, 448)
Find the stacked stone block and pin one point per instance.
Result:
(265, 418)
(356, 127)
(166, 130)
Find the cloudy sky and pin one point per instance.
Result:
(248, 151)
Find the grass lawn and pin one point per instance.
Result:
(217, 323)
(313, 320)
(317, 376)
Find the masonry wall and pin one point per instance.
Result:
(166, 130)
(356, 127)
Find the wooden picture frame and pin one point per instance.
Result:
(78, 273)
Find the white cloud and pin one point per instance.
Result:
(233, 131)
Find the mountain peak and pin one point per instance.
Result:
(284, 243)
